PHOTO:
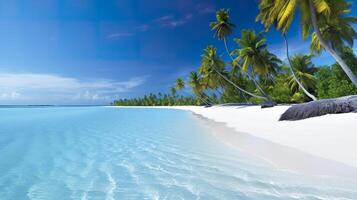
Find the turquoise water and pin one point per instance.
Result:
(110, 153)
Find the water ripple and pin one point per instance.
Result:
(109, 153)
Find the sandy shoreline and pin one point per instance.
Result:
(331, 137)
(279, 156)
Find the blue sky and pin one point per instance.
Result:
(93, 51)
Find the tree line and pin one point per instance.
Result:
(253, 74)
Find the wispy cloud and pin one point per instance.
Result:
(166, 21)
(172, 21)
(47, 88)
(142, 28)
(164, 18)
(204, 8)
(119, 35)
(128, 33)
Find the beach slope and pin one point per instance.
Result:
(332, 137)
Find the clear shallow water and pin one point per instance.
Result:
(110, 153)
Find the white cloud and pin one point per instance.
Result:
(46, 88)
(11, 95)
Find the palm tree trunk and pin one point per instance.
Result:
(210, 98)
(200, 98)
(219, 91)
(323, 43)
(245, 73)
(227, 50)
(293, 73)
(235, 85)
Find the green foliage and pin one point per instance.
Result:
(222, 26)
(253, 64)
(336, 30)
(304, 70)
(332, 82)
(253, 54)
(281, 92)
(211, 65)
(328, 82)
(158, 100)
(298, 97)
(231, 94)
(330, 86)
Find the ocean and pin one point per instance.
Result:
(50, 153)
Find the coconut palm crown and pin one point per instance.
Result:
(280, 13)
(253, 53)
(222, 26)
(180, 84)
(304, 70)
(315, 15)
(336, 30)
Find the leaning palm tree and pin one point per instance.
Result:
(273, 64)
(336, 31)
(254, 56)
(223, 28)
(197, 88)
(210, 78)
(212, 64)
(302, 87)
(281, 14)
(195, 84)
(304, 70)
(250, 52)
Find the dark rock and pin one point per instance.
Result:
(321, 107)
(268, 104)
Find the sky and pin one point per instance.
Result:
(90, 52)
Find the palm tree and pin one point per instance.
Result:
(197, 88)
(304, 70)
(281, 14)
(223, 28)
(336, 31)
(210, 77)
(273, 64)
(173, 92)
(212, 64)
(293, 73)
(254, 54)
(250, 52)
(180, 84)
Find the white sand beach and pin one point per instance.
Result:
(333, 137)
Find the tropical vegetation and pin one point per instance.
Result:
(253, 74)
